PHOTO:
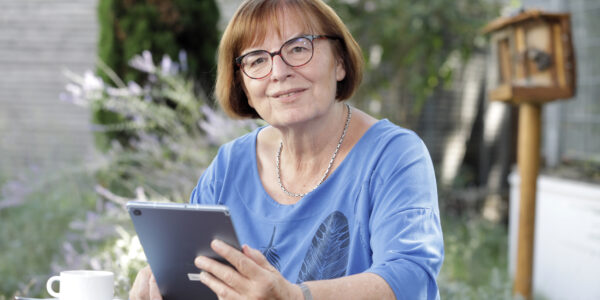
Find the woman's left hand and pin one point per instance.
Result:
(253, 277)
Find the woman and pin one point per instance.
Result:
(329, 202)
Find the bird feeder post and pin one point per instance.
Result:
(528, 158)
(535, 64)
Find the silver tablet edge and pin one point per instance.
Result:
(177, 206)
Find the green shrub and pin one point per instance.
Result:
(475, 264)
(177, 132)
(128, 27)
(63, 223)
(411, 48)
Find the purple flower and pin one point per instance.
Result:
(183, 60)
(144, 62)
(91, 82)
(168, 67)
(134, 88)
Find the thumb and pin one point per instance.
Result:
(153, 289)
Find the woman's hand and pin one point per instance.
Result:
(253, 277)
(145, 287)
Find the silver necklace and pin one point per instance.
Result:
(278, 157)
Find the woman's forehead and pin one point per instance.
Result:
(285, 22)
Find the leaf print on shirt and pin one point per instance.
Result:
(327, 256)
(271, 253)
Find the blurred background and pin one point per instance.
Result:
(105, 101)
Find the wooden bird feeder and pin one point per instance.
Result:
(533, 63)
(535, 60)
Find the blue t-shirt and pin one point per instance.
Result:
(377, 212)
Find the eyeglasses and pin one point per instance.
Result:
(296, 52)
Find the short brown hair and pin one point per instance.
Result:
(250, 25)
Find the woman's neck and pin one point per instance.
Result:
(309, 147)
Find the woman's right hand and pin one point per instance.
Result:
(145, 287)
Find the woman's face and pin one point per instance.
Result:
(291, 96)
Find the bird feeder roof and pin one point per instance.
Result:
(503, 22)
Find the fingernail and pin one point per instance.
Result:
(200, 262)
(218, 244)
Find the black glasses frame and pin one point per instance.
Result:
(310, 37)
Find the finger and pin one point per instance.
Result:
(222, 272)
(222, 290)
(139, 290)
(257, 257)
(241, 262)
(153, 289)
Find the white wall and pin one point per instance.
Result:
(566, 262)
(38, 39)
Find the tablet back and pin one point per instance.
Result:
(173, 235)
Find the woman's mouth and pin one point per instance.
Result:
(286, 94)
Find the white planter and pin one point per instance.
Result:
(566, 262)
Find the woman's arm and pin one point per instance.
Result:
(358, 286)
(254, 278)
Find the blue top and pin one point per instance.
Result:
(377, 212)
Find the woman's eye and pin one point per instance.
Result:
(299, 49)
(254, 62)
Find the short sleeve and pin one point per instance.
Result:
(205, 191)
(405, 230)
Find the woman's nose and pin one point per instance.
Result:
(280, 70)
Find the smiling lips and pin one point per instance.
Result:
(287, 93)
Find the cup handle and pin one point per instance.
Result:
(49, 286)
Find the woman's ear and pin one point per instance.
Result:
(340, 70)
(240, 81)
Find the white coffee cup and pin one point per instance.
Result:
(83, 284)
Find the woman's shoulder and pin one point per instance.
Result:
(385, 134)
(368, 128)
(386, 148)
(240, 146)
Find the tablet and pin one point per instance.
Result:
(173, 235)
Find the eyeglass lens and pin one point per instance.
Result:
(295, 52)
